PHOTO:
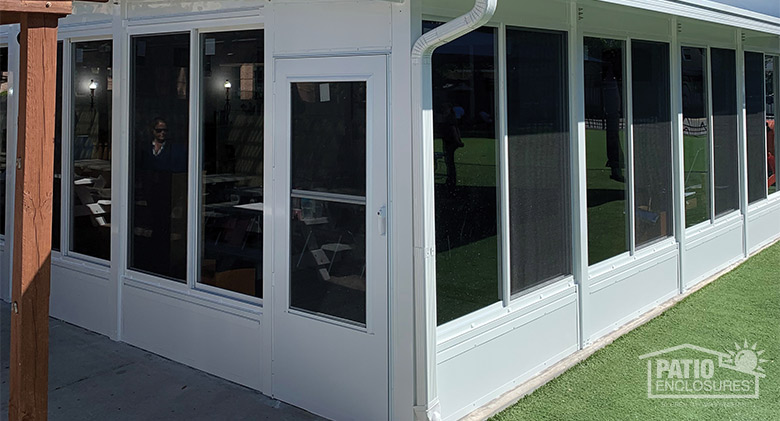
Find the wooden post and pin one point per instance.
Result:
(32, 218)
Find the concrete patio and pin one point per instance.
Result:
(94, 378)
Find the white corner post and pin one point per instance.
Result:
(426, 398)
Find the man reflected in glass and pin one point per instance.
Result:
(160, 206)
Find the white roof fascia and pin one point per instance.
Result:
(708, 11)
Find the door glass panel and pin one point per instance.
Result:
(755, 123)
(329, 137)
(328, 212)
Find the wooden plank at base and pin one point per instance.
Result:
(32, 218)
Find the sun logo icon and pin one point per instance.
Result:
(745, 359)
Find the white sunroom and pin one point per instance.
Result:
(397, 209)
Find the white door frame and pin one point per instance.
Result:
(334, 368)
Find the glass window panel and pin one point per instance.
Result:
(652, 131)
(331, 111)
(159, 95)
(465, 151)
(605, 137)
(539, 175)
(724, 130)
(770, 82)
(232, 161)
(328, 236)
(755, 125)
(56, 221)
(91, 149)
(3, 130)
(696, 143)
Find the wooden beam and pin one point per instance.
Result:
(32, 218)
(58, 7)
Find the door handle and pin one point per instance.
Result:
(382, 214)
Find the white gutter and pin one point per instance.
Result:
(427, 406)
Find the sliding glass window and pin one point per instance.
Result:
(696, 141)
(771, 64)
(231, 92)
(724, 130)
(465, 151)
(755, 125)
(3, 131)
(652, 141)
(159, 142)
(605, 138)
(539, 162)
(91, 87)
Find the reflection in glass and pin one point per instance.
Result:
(56, 213)
(605, 137)
(770, 81)
(3, 130)
(328, 212)
(159, 123)
(465, 150)
(724, 130)
(232, 161)
(329, 129)
(91, 149)
(696, 142)
(328, 258)
(652, 137)
(755, 125)
(538, 123)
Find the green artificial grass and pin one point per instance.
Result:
(612, 384)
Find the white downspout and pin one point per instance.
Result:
(427, 406)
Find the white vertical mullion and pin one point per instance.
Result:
(678, 148)
(742, 139)
(629, 121)
(120, 65)
(503, 172)
(269, 202)
(193, 178)
(763, 119)
(14, 51)
(579, 167)
(66, 139)
(710, 134)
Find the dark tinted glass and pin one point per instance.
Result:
(159, 95)
(538, 122)
(770, 82)
(464, 104)
(232, 161)
(652, 130)
(724, 116)
(56, 213)
(92, 86)
(605, 137)
(3, 130)
(696, 143)
(724, 129)
(331, 111)
(755, 125)
(328, 228)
